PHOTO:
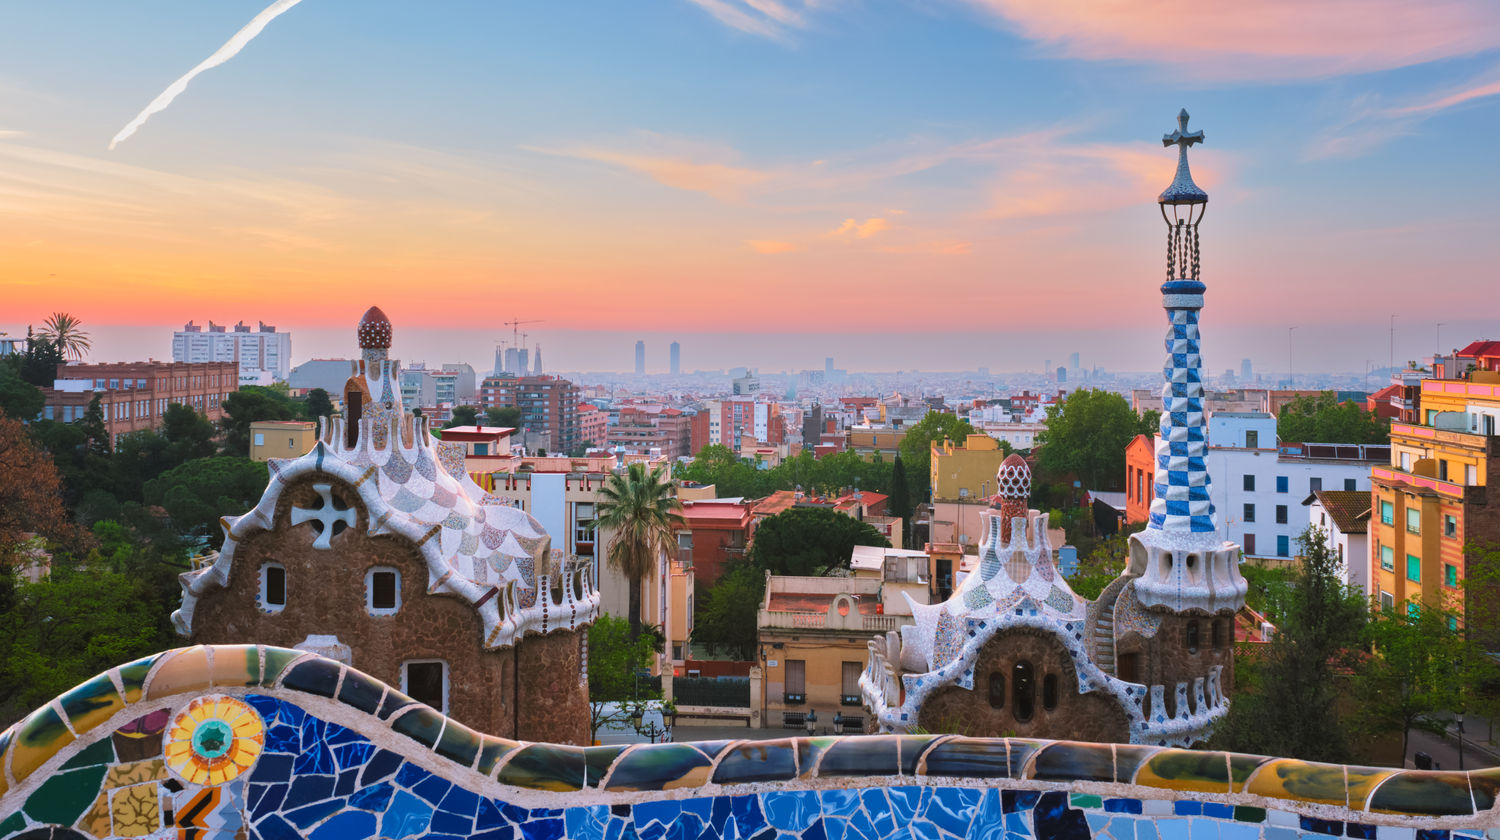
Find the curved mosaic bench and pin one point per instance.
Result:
(275, 743)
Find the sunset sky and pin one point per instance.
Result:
(771, 180)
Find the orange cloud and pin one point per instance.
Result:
(860, 230)
(720, 180)
(1258, 38)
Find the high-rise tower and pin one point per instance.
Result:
(674, 358)
(640, 357)
(1181, 562)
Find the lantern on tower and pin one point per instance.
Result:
(1187, 202)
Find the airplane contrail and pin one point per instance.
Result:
(230, 49)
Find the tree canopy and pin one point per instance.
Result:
(729, 610)
(1323, 419)
(251, 404)
(463, 415)
(317, 404)
(507, 416)
(831, 474)
(1291, 710)
(198, 492)
(65, 332)
(1086, 435)
(809, 541)
(616, 655)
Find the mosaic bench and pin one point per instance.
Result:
(249, 741)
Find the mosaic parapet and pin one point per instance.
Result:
(249, 736)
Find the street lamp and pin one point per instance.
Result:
(811, 721)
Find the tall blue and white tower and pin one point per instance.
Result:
(1181, 563)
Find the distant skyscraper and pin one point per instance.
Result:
(1245, 372)
(674, 354)
(1072, 361)
(536, 362)
(828, 367)
(263, 349)
(640, 357)
(513, 361)
(1047, 365)
(523, 360)
(1062, 374)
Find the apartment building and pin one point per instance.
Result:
(135, 395)
(261, 349)
(1429, 502)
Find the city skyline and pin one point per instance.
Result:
(545, 174)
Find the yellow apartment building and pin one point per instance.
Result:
(1432, 500)
(815, 634)
(867, 441)
(281, 439)
(965, 472)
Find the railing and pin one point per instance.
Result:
(822, 621)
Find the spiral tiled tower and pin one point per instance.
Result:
(1181, 562)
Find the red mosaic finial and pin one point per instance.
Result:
(374, 330)
(1014, 482)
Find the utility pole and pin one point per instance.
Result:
(1291, 376)
(1393, 343)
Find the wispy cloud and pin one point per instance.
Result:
(859, 230)
(1257, 39)
(1369, 122)
(230, 49)
(680, 170)
(767, 18)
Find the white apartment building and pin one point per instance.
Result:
(1258, 482)
(263, 349)
(1345, 516)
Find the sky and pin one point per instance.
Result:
(938, 184)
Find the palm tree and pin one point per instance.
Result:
(65, 333)
(641, 509)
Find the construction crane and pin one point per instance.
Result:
(515, 328)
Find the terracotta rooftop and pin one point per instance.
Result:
(1481, 348)
(1350, 509)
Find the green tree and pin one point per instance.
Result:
(39, 365)
(1292, 711)
(900, 501)
(728, 611)
(1323, 419)
(916, 449)
(1416, 675)
(1086, 436)
(318, 404)
(1101, 566)
(66, 333)
(248, 405)
(617, 655)
(19, 399)
(198, 492)
(95, 434)
(507, 416)
(640, 511)
(463, 415)
(809, 541)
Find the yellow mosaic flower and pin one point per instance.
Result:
(214, 740)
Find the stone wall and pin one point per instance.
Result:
(325, 595)
(245, 741)
(1095, 716)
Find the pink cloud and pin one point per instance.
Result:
(858, 229)
(1258, 38)
(718, 179)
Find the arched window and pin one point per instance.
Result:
(1049, 692)
(1192, 637)
(1022, 691)
(383, 591)
(997, 690)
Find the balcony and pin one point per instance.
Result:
(785, 620)
(793, 699)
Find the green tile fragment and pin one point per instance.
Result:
(12, 824)
(1087, 800)
(62, 799)
(276, 661)
(101, 752)
(1246, 813)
